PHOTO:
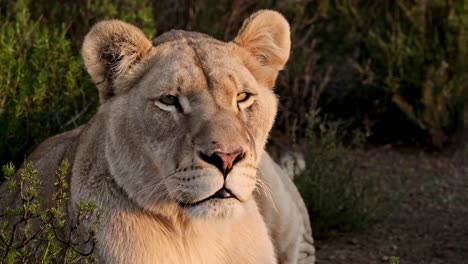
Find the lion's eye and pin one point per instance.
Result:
(169, 100)
(244, 100)
(168, 103)
(242, 97)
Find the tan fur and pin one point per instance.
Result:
(139, 159)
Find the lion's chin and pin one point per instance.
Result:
(214, 208)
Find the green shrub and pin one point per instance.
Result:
(340, 197)
(43, 86)
(30, 232)
(411, 55)
(394, 260)
(424, 63)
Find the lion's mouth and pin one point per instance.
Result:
(222, 193)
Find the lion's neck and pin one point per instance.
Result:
(134, 236)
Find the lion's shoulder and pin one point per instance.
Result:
(56, 146)
(48, 156)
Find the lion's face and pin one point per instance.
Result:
(188, 116)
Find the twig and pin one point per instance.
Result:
(77, 115)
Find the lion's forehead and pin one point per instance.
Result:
(193, 66)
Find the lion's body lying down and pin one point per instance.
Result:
(171, 157)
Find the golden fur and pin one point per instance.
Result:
(147, 162)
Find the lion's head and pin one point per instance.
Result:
(187, 116)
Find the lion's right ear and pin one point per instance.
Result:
(112, 54)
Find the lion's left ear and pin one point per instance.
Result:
(265, 35)
(113, 52)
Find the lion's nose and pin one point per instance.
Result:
(224, 161)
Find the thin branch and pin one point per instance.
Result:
(26, 241)
(80, 114)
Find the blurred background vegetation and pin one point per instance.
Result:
(383, 72)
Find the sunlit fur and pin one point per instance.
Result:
(140, 160)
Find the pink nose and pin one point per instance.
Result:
(228, 159)
(224, 161)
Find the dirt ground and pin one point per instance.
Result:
(431, 223)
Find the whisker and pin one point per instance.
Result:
(265, 191)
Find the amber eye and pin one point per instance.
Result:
(242, 97)
(169, 100)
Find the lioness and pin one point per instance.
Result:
(174, 157)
